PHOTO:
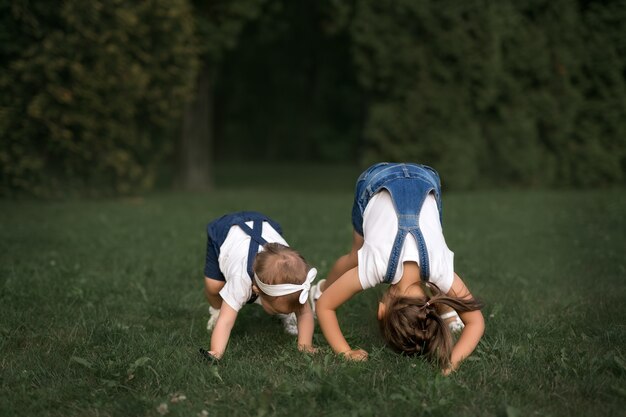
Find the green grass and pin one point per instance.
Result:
(101, 310)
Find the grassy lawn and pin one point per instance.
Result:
(102, 313)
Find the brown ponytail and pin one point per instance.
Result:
(413, 326)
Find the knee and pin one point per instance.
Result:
(213, 286)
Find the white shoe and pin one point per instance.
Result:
(456, 325)
(215, 313)
(290, 323)
(314, 294)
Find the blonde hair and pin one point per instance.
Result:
(413, 326)
(279, 264)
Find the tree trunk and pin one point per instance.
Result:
(196, 140)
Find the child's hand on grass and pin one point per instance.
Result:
(355, 355)
(449, 370)
(307, 349)
(210, 355)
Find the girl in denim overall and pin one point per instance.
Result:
(398, 240)
(247, 260)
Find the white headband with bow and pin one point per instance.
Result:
(283, 289)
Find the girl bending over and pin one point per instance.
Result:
(398, 240)
(248, 261)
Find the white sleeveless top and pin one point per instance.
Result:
(380, 225)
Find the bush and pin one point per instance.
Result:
(525, 92)
(91, 94)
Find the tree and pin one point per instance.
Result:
(219, 24)
(288, 92)
(91, 94)
(528, 92)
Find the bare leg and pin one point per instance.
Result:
(212, 289)
(344, 263)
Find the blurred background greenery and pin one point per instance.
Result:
(120, 96)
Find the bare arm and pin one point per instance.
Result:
(221, 332)
(338, 293)
(306, 325)
(473, 330)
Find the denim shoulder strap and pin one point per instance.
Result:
(394, 257)
(408, 196)
(255, 240)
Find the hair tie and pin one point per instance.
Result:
(278, 290)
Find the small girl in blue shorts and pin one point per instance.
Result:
(248, 261)
(398, 240)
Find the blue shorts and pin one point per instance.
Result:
(218, 229)
(408, 185)
(376, 177)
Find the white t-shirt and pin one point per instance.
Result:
(233, 262)
(380, 225)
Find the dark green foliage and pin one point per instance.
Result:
(507, 92)
(525, 93)
(288, 91)
(220, 23)
(91, 92)
(598, 149)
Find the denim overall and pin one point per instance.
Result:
(408, 185)
(217, 231)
